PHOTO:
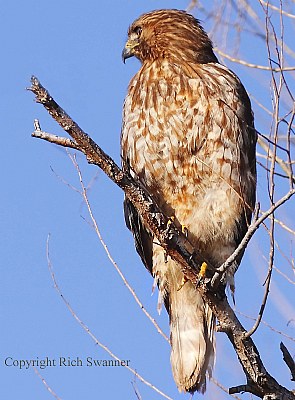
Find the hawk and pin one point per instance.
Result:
(188, 137)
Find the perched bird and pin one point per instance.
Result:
(188, 137)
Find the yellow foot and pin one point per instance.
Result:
(203, 269)
(183, 282)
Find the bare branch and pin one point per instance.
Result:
(267, 325)
(282, 12)
(285, 167)
(232, 258)
(251, 230)
(259, 381)
(88, 331)
(224, 389)
(242, 389)
(136, 391)
(290, 262)
(288, 360)
(61, 141)
(250, 65)
(46, 384)
(263, 304)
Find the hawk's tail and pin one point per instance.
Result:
(192, 326)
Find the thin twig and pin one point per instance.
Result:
(135, 388)
(267, 325)
(223, 388)
(232, 258)
(277, 269)
(113, 262)
(192, 5)
(88, 331)
(289, 261)
(61, 141)
(285, 167)
(284, 275)
(282, 12)
(65, 182)
(46, 384)
(266, 168)
(264, 300)
(250, 232)
(250, 65)
(271, 196)
(284, 226)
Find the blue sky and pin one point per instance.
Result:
(74, 48)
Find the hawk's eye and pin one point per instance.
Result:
(137, 30)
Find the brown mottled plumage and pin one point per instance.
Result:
(188, 135)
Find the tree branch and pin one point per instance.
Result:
(177, 246)
(172, 239)
(61, 141)
(84, 195)
(288, 360)
(250, 232)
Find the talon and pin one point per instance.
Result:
(170, 220)
(184, 230)
(203, 270)
(183, 282)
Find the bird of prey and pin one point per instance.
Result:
(188, 137)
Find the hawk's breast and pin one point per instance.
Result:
(182, 136)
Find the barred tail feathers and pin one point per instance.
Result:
(192, 326)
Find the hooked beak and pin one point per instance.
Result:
(128, 50)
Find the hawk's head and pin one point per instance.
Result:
(168, 34)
